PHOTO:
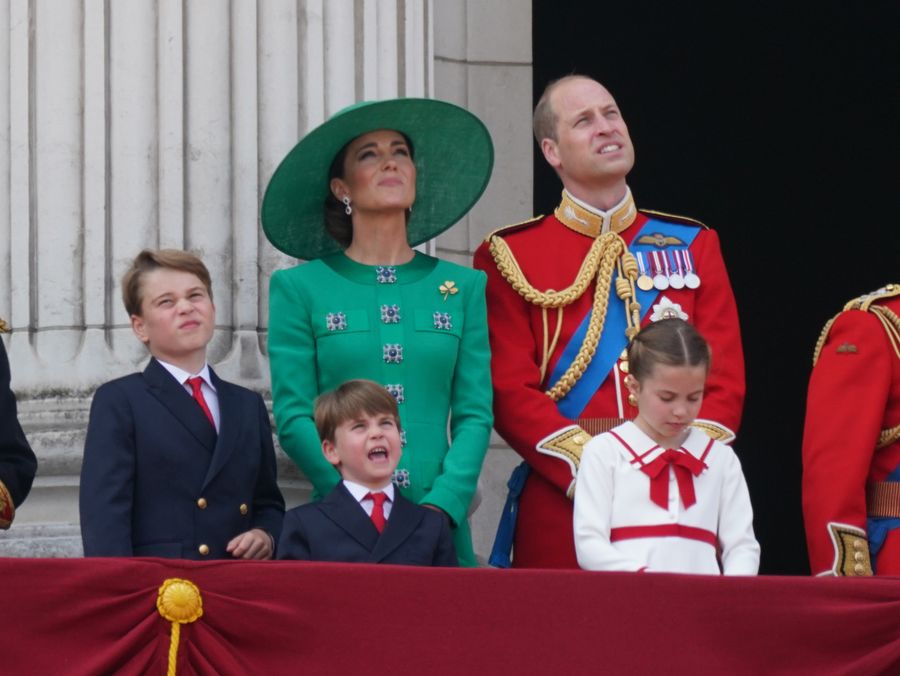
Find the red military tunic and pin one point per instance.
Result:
(851, 440)
(549, 254)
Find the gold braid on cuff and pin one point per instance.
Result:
(7, 507)
(851, 551)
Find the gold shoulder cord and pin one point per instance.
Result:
(607, 254)
(891, 323)
(823, 336)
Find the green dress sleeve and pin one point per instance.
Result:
(470, 411)
(294, 380)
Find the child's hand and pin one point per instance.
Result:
(254, 544)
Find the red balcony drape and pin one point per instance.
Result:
(99, 616)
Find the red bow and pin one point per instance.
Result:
(684, 465)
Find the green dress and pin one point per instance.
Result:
(420, 329)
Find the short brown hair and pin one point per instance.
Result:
(349, 401)
(672, 342)
(545, 120)
(149, 260)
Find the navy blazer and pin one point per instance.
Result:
(18, 463)
(158, 481)
(338, 529)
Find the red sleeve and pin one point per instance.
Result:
(715, 317)
(523, 414)
(848, 393)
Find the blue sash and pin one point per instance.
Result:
(501, 552)
(877, 528)
(613, 340)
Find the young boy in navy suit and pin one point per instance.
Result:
(364, 519)
(177, 463)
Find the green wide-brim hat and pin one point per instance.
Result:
(453, 154)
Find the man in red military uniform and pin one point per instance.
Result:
(851, 441)
(565, 292)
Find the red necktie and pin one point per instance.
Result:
(378, 510)
(195, 383)
(684, 465)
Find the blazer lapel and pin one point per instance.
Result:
(231, 421)
(179, 403)
(343, 509)
(404, 519)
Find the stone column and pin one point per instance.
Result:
(157, 123)
(482, 61)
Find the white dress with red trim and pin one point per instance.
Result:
(639, 506)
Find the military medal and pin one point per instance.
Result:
(660, 280)
(676, 279)
(691, 279)
(644, 282)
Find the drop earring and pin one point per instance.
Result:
(347, 208)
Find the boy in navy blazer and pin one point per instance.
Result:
(364, 519)
(178, 463)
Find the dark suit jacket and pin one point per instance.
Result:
(18, 463)
(338, 529)
(157, 480)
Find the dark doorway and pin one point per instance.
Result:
(776, 123)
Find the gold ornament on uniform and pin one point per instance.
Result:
(4, 327)
(448, 288)
(179, 602)
(660, 241)
(608, 253)
(866, 303)
(851, 550)
(7, 508)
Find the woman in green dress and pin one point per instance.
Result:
(353, 198)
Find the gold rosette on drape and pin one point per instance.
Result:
(179, 602)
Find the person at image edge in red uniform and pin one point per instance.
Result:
(566, 291)
(851, 441)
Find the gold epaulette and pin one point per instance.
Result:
(868, 303)
(512, 227)
(4, 327)
(686, 220)
(865, 301)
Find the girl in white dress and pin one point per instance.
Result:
(655, 494)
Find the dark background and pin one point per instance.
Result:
(776, 124)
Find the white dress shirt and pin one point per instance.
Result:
(209, 391)
(360, 492)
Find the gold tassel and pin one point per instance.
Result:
(179, 602)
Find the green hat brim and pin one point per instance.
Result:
(453, 152)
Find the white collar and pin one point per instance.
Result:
(695, 444)
(181, 375)
(359, 492)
